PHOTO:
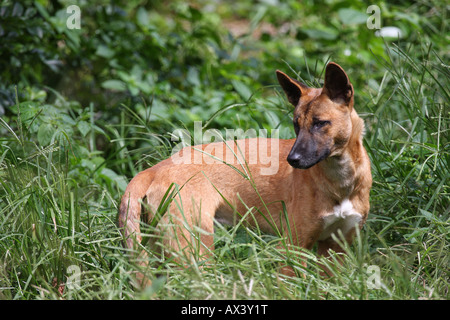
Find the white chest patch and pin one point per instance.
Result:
(343, 217)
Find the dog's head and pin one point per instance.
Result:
(322, 120)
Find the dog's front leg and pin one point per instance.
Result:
(329, 244)
(303, 238)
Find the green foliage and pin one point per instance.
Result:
(82, 111)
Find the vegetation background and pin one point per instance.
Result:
(83, 110)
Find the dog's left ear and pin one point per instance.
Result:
(337, 85)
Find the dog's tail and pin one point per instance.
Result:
(130, 217)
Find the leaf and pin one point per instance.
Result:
(45, 134)
(27, 110)
(142, 17)
(116, 85)
(17, 10)
(104, 51)
(42, 10)
(53, 64)
(242, 89)
(36, 31)
(352, 16)
(112, 177)
(193, 76)
(320, 34)
(84, 128)
(431, 217)
(86, 163)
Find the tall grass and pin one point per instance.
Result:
(408, 142)
(57, 219)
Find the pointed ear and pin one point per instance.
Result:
(337, 85)
(291, 87)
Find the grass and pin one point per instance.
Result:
(59, 237)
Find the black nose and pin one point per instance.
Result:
(293, 160)
(296, 160)
(299, 161)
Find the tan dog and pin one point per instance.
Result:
(322, 179)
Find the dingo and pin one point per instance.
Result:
(322, 181)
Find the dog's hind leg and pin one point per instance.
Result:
(187, 230)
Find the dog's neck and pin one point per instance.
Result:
(337, 176)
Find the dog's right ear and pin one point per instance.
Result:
(291, 87)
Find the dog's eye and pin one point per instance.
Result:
(296, 127)
(320, 123)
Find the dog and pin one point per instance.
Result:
(321, 185)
